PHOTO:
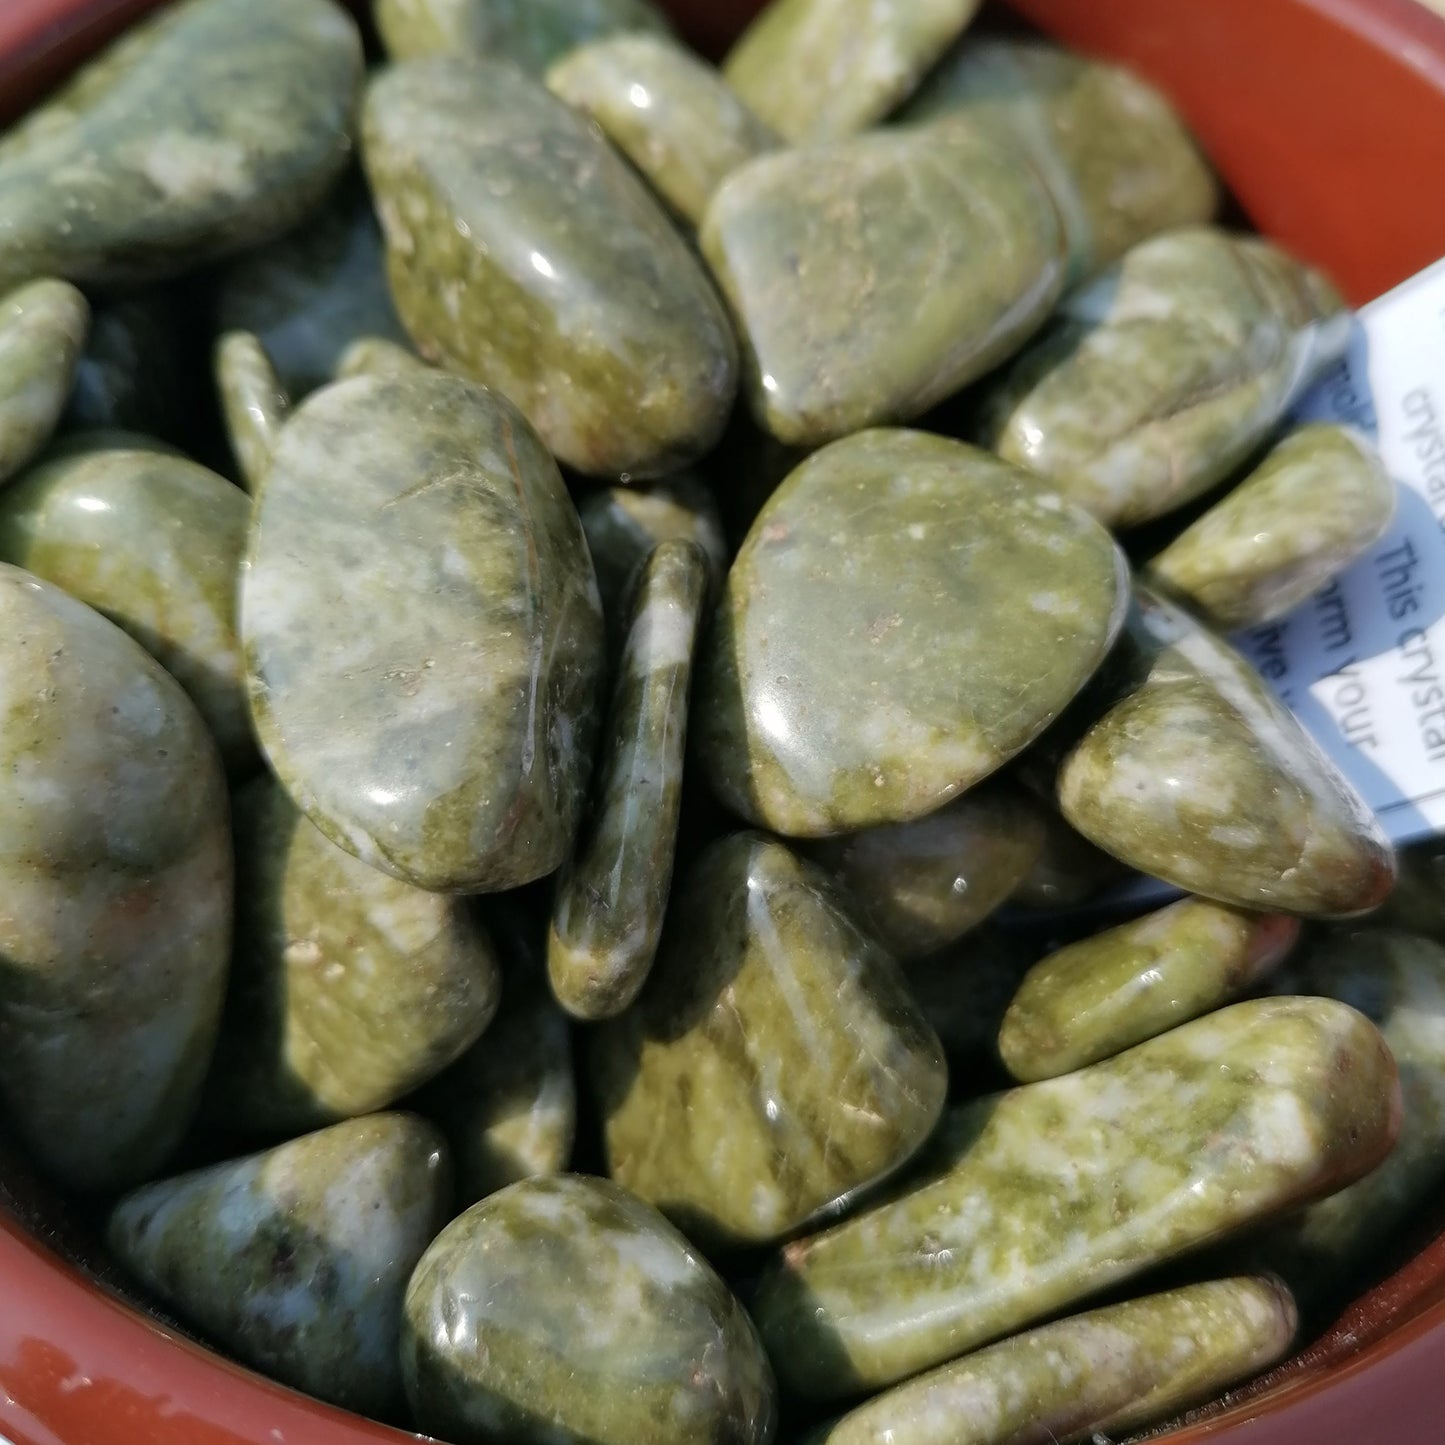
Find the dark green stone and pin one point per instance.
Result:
(253, 402)
(1069, 871)
(42, 330)
(1418, 903)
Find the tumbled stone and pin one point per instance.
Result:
(209, 128)
(525, 253)
(1201, 777)
(1100, 996)
(253, 402)
(132, 375)
(106, 439)
(1056, 1191)
(371, 356)
(875, 276)
(1069, 870)
(906, 615)
(42, 330)
(115, 869)
(774, 1065)
(425, 669)
(296, 1260)
(563, 1311)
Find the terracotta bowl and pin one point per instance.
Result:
(1327, 118)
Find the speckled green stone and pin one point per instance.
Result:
(1056, 1191)
(1069, 871)
(1100, 996)
(423, 633)
(774, 1065)
(373, 356)
(115, 870)
(1201, 777)
(563, 1311)
(906, 615)
(133, 373)
(254, 403)
(1158, 379)
(155, 543)
(296, 1260)
(875, 276)
(42, 330)
(526, 253)
(210, 128)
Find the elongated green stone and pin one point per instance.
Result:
(253, 401)
(1056, 1191)
(42, 330)
(133, 374)
(296, 1260)
(526, 254)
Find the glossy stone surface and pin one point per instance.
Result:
(526, 254)
(155, 543)
(875, 276)
(115, 868)
(253, 402)
(774, 1065)
(42, 330)
(1201, 777)
(1100, 996)
(612, 896)
(1069, 871)
(905, 616)
(1320, 501)
(1058, 1190)
(1155, 381)
(296, 1259)
(425, 668)
(209, 128)
(133, 374)
(371, 356)
(563, 1311)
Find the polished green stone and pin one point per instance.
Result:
(1059, 1190)
(42, 330)
(875, 276)
(133, 374)
(115, 870)
(373, 356)
(425, 666)
(563, 1311)
(210, 128)
(296, 1259)
(254, 403)
(906, 615)
(526, 253)
(1069, 871)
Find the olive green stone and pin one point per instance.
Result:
(1201, 777)
(131, 376)
(372, 356)
(115, 870)
(1097, 997)
(1056, 1191)
(210, 128)
(1319, 502)
(253, 402)
(1161, 377)
(1069, 870)
(775, 1065)
(155, 543)
(109, 439)
(296, 1260)
(42, 330)
(906, 615)
(524, 252)
(875, 276)
(425, 663)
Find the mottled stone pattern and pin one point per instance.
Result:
(774, 1065)
(296, 1260)
(42, 330)
(564, 1311)
(875, 276)
(1069, 871)
(131, 376)
(209, 128)
(423, 632)
(526, 253)
(905, 616)
(115, 868)
(1058, 1190)
(254, 403)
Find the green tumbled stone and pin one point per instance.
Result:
(906, 615)
(42, 330)
(425, 668)
(1069, 871)
(1055, 1191)
(253, 401)
(372, 356)
(775, 1065)
(115, 869)
(1104, 994)
(563, 1311)
(104, 439)
(132, 375)
(296, 1260)
(525, 253)
(210, 128)
(875, 276)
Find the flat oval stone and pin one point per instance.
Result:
(873, 277)
(1056, 1191)
(906, 615)
(254, 404)
(115, 868)
(42, 330)
(208, 129)
(425, 668)
(564, 1310)
(296, 1260)
(133, 374)
(526, 254)
(774, 1065)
